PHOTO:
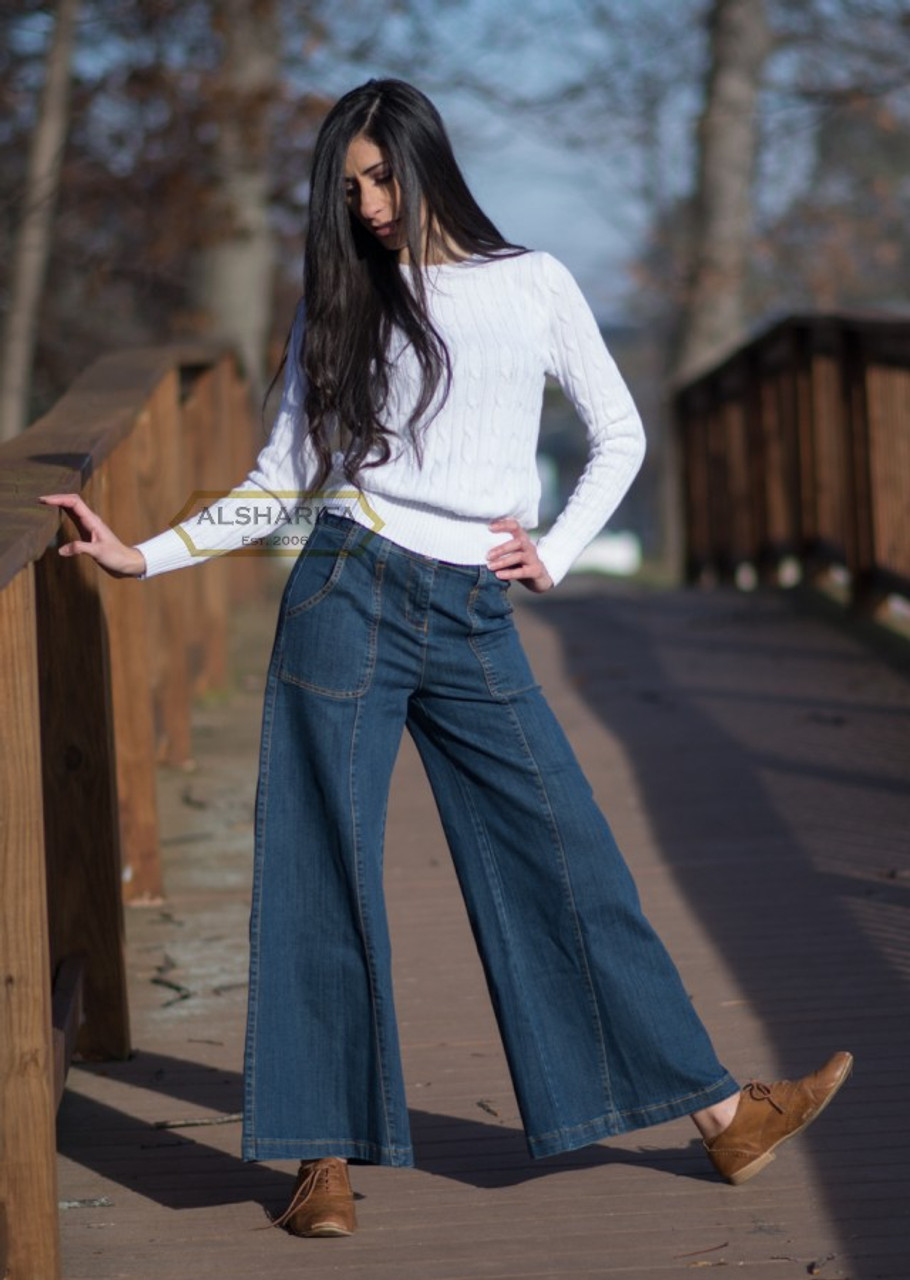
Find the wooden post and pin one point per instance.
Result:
(204, 422)
(691, 415)
(860, 518)
(126, 611)
(755, 446)
(163, 480)
(774, 452)
(82, 833)
(717, 496)
(28, 1162)
(829, 449)
(807, 479)
(241, 422)
(789, 406)
(738, 508)
(682, 424)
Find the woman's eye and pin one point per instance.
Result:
(385, 176)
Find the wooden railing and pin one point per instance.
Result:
(797, 447)
(96, 677)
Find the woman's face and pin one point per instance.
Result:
(373, 194)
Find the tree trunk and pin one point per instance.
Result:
(236, 267)
(32, 247)
(714, 312)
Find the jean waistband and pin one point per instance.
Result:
(367, 536)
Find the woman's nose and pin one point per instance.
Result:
(371, 204)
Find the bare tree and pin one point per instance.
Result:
(715, 306)
(236, 263)
(32, 245)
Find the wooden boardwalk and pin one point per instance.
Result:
(755, 764)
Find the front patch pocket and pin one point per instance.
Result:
(331, 615)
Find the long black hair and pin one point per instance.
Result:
(355, 292)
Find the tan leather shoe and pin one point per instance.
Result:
(768, 1114)
(322, 1203)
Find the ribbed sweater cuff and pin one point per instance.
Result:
(166, 551)
(555, 559)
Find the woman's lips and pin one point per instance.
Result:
(386, 228)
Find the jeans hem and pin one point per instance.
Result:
(319, 1148)
(618, 1122)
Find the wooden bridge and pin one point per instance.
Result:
(751, 750)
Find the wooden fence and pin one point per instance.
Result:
(96, 678)
(798, 446)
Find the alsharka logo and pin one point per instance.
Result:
(258, 508)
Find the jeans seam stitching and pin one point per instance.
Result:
(256, 904)
(576, 924)
(426, 642)
(365, 935)
(495, 877)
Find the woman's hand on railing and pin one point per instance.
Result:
(96, 539)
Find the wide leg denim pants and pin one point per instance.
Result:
(599, 1032)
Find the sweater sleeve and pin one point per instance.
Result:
(272, 494)
(585, 370)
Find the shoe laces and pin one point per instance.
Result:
(759, 1092)
(317, 1177)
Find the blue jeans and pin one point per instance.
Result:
(599, 1032)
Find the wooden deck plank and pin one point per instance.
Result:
(755, 765)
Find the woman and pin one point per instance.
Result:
(415, 371)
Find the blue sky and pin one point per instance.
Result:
(548, 197)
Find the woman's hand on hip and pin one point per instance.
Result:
(518, 557)
(96, 539)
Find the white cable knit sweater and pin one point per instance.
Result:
(507, 324)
